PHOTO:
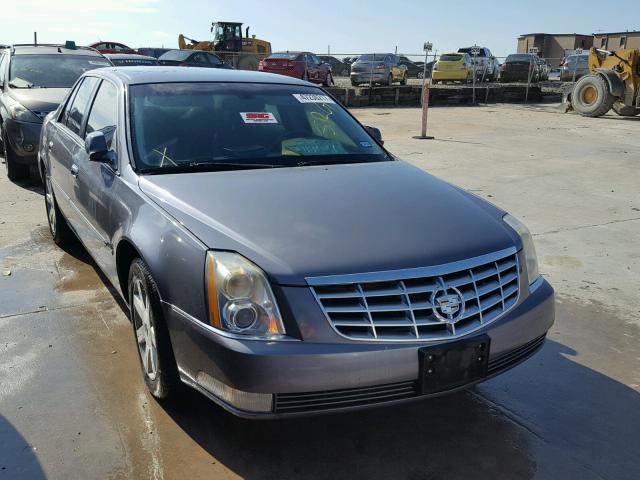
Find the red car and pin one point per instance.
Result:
(112, 47)
(304, 65)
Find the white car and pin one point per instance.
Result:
(487, 66)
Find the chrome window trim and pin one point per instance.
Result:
(411, 273)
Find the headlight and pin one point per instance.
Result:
(240, 297)
(20, 112)
(527, 246)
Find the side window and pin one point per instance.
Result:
(80, 105)
(316, 60)
(213, 60)
(198, 58)
(103, 116)
(64, 114)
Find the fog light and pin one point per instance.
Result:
(27, 147)
(250, 402)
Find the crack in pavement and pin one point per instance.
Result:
(44, 308)
(580, 227)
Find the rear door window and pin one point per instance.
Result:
(80, 104)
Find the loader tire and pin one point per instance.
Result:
(625, 110)
(591, 96)
(248, 63)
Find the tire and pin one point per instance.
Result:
(404, 80)
(625, 110)
(15, 171)
(248, 62)
(60, 231)
(420, 75)
(591, 96)
(157, 361)
(328, 81)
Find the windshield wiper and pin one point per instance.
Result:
(327, 161)
(207, 166)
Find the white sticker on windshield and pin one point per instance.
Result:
(258, 117)
(313, 98)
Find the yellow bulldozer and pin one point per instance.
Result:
(243, 52)
(613, 82)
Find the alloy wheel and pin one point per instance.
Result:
(51, 206)
(145, 329)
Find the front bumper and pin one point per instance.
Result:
(291, 370)
(24, 138)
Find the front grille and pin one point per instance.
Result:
(350, 397)
(407, 305)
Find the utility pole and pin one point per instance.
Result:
(35, 38)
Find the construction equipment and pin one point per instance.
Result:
(613, 82)
(228, 43)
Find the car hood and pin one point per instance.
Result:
(39, 99)
(328, 220)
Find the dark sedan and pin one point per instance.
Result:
(303, 65)
(521, 67)
(33, 81)
(338, 67)
(270, 250)
(192, 58)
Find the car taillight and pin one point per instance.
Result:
(261, 65)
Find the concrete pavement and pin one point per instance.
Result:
(73, 404)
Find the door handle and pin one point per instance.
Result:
(74, 170)
(50, 145)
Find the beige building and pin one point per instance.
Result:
(554, 46)
(617, 40)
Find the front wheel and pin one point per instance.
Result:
(591, 96)
(151, 333)
(329, 81)
(15, 171)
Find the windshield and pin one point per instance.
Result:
(481, 52)
(525, 57)
(51, 71)
(176, 54)
(286, 55)
(244, 125)
(450, 58)
(372, 57)
(578, 60)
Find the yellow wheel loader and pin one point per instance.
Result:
(613, 82)
(243, 52)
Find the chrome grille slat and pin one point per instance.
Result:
(398, 305)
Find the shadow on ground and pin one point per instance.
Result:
(553, 418)
(17, 457)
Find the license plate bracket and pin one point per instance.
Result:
(453, 364)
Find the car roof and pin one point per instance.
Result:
(133, 75)
(52, 50)
(109, 41)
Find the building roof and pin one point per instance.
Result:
(557, 34)
(134, 75)
(602, 34)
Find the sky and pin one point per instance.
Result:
(342, 26)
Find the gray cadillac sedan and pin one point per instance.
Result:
(273, 255)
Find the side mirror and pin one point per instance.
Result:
(375, 133)
(96, 147)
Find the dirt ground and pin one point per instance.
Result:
(73, 404)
